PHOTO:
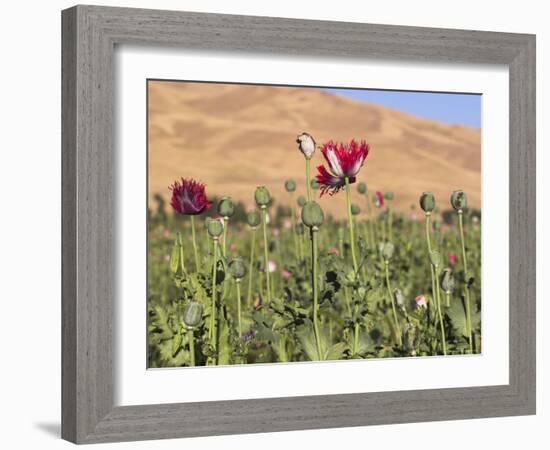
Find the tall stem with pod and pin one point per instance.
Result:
(427, 203)
(459, 203)
(253, 219)
(313, 217)
(237, 269)
(263, 199)
(215, 229)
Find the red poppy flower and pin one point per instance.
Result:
(189, 197)
(343, 160)
(379, 199)
(452, 259)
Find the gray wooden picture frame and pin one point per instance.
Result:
(89, 36)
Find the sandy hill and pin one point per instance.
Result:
(234, 138)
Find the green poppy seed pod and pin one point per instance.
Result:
(459, 200)
(447, 280)
(301, 201)
(192, 314)
(226, 208)
(362, 188)
(312, 215)
(253, 218)
(237, 268)
(290, 185)
(262, 196)
(388, 195)
(387, 251)
(215, 228)
(355, 210)
(314, 184)
(427, 202)
(435, 258)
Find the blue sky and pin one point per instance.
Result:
(455, 109)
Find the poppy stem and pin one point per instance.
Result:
(225, 227)
(308, 179)
(239, 320)
(180, 247)
(350, 221)
(466, 287)
(390, 221)
(435, 286)
(314, 231)
(441, 323)
(212, 330)
(195, 251)
(251, 268)
(266, 254)
(354, 260)
(394, 311)
(191, 347)
(294, 235)
(369, 224)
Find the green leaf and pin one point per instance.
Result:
(176, 344)
(336, 351)
(306, 336)
(174, 259)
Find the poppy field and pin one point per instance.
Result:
(285, 281)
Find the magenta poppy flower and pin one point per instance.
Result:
(189, 197)
(378, 199)
(343, 160)
(452, 259)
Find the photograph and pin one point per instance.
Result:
(288, 224)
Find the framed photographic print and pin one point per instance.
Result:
(279, 224)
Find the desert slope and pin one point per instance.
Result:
(234, 138)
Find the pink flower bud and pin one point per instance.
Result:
(421, 301)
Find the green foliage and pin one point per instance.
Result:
(349, 301)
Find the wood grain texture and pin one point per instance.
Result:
(88, 154)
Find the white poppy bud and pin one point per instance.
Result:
(306, 144)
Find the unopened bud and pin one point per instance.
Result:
(306, 144)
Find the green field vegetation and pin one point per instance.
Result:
(367, 289)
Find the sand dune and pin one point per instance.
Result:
(234, 138)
